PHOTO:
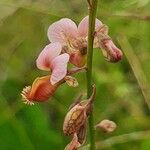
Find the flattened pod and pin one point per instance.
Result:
(82, 134)
(74, 119)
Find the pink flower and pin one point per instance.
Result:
(42, 88)
(51, 60)
(72, 38)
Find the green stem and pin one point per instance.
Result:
(92, 18)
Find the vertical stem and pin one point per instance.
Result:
(91, 29)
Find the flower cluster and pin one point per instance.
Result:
(68, 44)
(74, 40)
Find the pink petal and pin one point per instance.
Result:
(59, 68)
(61, 29)
(83, 26)
(51, 51)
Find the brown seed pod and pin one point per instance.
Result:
(77, 115)
(74, 119)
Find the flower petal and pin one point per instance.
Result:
(83, 26)
(59, 68)
(77, 59)
(51, 51)
(62, 29)
(40, 90)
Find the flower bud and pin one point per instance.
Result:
(74, 144)
(107, 126)
(40, 90)
(77, 59)
(110, 51)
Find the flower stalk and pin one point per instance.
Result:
(91, 30)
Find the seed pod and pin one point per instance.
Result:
(74, 119)
(40, 90)
(107, 126)
(77, 115)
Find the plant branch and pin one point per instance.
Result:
(91, 29)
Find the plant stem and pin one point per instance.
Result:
(91, 30)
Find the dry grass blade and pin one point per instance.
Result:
(136, 67)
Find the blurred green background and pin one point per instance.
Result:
(122, 89)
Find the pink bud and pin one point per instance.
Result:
(107, 126)
(110, 51)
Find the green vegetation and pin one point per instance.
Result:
(123, 89)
